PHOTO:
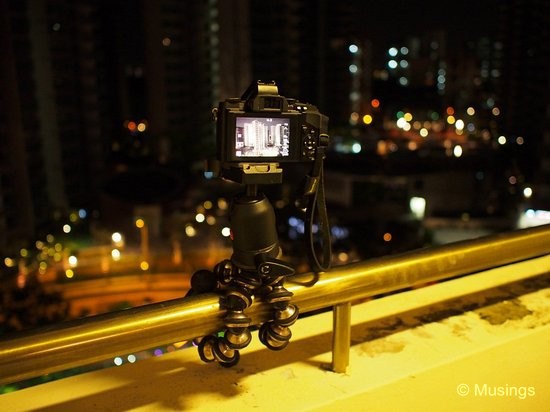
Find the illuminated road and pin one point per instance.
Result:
(103, 294)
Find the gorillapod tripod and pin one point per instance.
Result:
(254, 270)
(256, 135)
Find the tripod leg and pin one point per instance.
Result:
(276, 334)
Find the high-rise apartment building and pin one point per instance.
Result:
(523, 87)
(88, 84)
(56, 113)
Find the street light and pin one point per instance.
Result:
(144, 238)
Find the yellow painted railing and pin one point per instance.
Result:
(88, 340)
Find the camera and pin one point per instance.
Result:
(262, 130)
(257, 135)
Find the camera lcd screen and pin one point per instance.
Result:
(262, 137)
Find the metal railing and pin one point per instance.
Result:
(88, 340)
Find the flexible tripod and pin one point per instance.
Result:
(254, 270)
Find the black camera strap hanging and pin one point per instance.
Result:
(316, 208)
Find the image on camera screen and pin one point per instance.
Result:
(262, 137)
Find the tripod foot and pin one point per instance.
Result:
(212, 348)
(273, 336)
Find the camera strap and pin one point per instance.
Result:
(317, 208)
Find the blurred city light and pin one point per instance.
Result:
(117, 239)
(418, 206)
(190, 231)
(533, 217)
(115, 254)
(9, 262)
(73, 261)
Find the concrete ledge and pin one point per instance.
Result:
(443, 347)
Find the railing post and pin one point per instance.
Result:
(341, 337)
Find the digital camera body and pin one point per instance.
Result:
(261, 131)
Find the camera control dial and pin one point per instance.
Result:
(310, 142)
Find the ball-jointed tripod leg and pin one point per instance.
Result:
(254, 270)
